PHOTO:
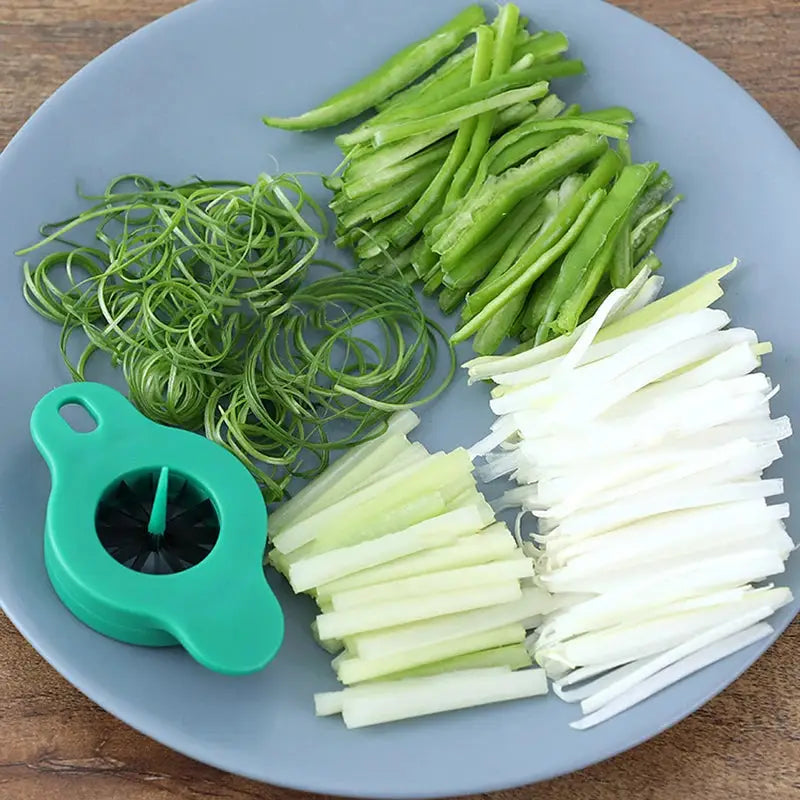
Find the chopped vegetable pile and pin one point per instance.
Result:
(197, 291)
(640, 450)
(415, 581)
(484, 186)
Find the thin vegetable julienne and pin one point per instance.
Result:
(499, 195)
(507, 118)
(423, 259)
(538, 300)
(497, 328)
(452, 76)
(648, 228)
(534, 135)
(433, 282)
(396, 73)
(479, 260)
(651, 234)
(604, 172)
(449, 121)
(600, 294)
(543, 47)
(538, 211)
(450, 299)
(431, 199)
(551, 107)
(515, 332)
(512, 153)
(501, 61)
(375, 240)
(516, 291)
(499, 159)
(621, 270)
(485, 90)
(576, 123)
(370, 184)
(374, 166)
(472, 93)
(386, 263)
(384, 157)
(380, 206)
(653, 194)
(590, 256)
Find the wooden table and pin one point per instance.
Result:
(56, 743)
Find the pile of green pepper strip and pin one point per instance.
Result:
(485, 187)
(198, 293)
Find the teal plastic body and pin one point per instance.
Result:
(221, 610)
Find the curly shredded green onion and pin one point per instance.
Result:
(197, 292)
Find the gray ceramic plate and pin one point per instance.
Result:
(185, 96)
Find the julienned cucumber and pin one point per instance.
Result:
(436, 600)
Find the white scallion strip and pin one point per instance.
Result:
(489, 366)
(621, 549)
(617, 356)
(642, 639)
(693, 575)
(637, 597)
(699, 294)
(626, 682)
(586, 406)
(672, 674)
(692, 297)
(607, 678)
(581, 674)
(650, 290)
(710, 466)
(599, 519)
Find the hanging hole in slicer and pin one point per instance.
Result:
(78, 417)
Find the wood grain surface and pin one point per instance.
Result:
(54, 742)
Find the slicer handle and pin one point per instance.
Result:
(234, 632)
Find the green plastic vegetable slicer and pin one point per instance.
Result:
(155, 535)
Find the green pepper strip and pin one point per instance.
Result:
(589, 258)
(431, 199)
(400, 70)
(604, 172)
(516, 290)
(499, 195)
